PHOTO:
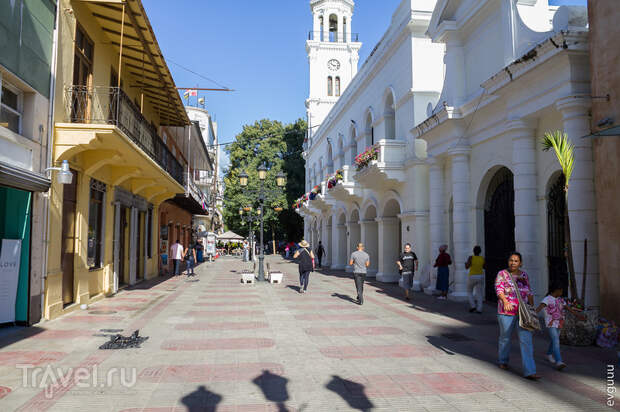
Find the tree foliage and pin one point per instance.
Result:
(279, 147)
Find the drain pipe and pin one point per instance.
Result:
(49, 147)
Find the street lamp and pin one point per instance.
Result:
(262, 193)
(250, 218)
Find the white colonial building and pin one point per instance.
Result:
(456, 97)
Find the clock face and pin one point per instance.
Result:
(333, 65)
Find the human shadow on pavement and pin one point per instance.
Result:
(274, 388)
(201, 400)
(293, 287)
(344, 297)
(352, 392)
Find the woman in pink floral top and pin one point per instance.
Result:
(508, 314)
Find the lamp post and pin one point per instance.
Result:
(262, 193)
(249, 218)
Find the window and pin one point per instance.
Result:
(338, 86)
(330, 86)
(95, 224)
(149, 233)
(10, 107)
(82, 76)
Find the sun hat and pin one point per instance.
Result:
(303, 243)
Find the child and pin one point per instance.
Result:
(554, 319)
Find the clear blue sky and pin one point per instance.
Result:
(254, 47)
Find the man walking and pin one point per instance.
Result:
(176, 254)
(407, 264)
(360, 261)
(320, 251)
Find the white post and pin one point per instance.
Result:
(581, 199)
(461, 218)
(354, 237)
(525, 203)
(369, 239)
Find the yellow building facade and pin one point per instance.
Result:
(114, 123)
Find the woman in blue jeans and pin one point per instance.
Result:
(508, 314)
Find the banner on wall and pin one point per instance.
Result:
(10, 256)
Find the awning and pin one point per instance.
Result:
(610, 132)
(19, 178)
(189, 204)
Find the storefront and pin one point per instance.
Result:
(20, 259)
(175, 223)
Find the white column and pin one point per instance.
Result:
(325, 27)
(353, 238)
(369, 239)
(461, 219)
(525, 203)
(326, 239)
(349, 29)
(581, 199)
(388, 249)
(340, 28)
(436, 212)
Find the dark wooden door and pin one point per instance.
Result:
(69, 203)
(499, 227)
(139, 255)
(556, 261)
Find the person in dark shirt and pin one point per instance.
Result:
(320, 251)
(407, 264)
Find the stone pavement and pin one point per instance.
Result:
(217, 345)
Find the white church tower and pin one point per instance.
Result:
(333, 55)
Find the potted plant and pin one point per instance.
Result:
(363, 159)
(333, 180)
(575, 331)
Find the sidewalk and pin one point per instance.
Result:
(217, 345)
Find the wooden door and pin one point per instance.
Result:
(121, 247)
(69, 204)
(82, 77)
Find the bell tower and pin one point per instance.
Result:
(333, 55)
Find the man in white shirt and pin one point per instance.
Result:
(176, 254)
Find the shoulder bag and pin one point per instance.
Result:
(528, 318)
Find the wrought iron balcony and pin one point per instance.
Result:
(110, 105)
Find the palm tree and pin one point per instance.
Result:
(564, 151)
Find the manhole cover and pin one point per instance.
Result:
(457, 337)
(101, 312)
(111, 330)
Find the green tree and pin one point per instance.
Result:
(279, 147)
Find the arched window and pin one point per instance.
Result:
(390, 117)
(333, 28)
(344, 30)
(330, 86)
(337, 85)
(322, 26)
(370, 131)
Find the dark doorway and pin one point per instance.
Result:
(69, 203)
(122, 244)
(556, 205)
(139, 247)
(499, 227)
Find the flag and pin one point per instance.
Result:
(193, 92)
(201, 100)
(186, 94)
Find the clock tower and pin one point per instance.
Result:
(333, 55)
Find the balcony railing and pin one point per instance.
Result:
(333, 37)
(110, 105)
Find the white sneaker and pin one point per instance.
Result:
(551, 359)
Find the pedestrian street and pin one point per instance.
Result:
(215, 344)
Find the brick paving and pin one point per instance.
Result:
(218, 345)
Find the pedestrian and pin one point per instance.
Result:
(506, 282)
(360, 261)
(475, 280)
(320, 251)
(305, 261)
(407, 264)
(190, 259)
(554, 306)
(199, 251)
(176, 254)
(442, 264)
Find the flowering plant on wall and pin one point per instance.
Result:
(299, 202)
(316, 190)
(363, 159)
(333, 180)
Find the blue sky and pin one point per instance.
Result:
(254, 47)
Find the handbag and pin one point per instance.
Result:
(528, 318)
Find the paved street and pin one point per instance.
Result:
(215, 344)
